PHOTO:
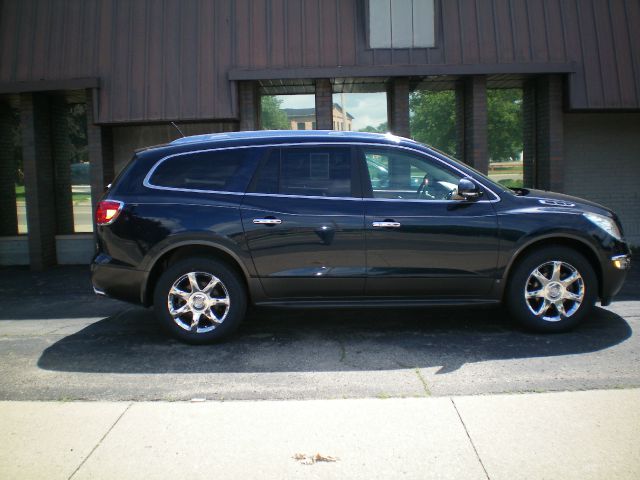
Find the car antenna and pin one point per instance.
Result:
(178, 128)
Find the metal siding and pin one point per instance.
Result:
(169, 59)
(328, 33)
(503, 31)
(487, 32)
(277, 42)
(622, 47)
(633, 20)
(538, 31)
(469, 29)
(451, 32)
(521, 31)
(554, 31)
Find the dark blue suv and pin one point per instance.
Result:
(204, 226)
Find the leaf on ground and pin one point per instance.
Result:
(311, 459)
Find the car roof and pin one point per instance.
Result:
(285, 134)
(214, 140)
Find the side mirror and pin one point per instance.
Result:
(468, 189)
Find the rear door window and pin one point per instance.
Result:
(217, 170)
(308, 171)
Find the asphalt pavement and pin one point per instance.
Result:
(58, 341)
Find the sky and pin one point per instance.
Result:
(366, 108)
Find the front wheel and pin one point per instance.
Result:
(199, 300)
(551, 290)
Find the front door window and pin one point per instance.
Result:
(400, 175)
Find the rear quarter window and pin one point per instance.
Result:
(216, 170)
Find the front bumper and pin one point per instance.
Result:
(613, 276)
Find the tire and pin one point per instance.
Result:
(219, 300)
(570, 291)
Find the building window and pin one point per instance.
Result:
(300, 126)
(401, 23)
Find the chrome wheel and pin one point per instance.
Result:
(554, 291)
(198, 302)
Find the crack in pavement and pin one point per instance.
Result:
(470, 439)
(100, 441)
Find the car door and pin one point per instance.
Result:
(421, 241)
(303, 218)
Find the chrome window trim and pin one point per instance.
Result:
(147, 183)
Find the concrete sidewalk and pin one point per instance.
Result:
(581, 435)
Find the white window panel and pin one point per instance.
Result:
(401, 23)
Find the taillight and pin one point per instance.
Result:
(108, 211)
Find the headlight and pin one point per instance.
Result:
(605, 223)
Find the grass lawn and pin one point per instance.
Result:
(511, 183)
(76, 197)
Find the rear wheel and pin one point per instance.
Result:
(199, 300)
(552, 289)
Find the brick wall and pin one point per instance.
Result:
(249, 105)
(100, 147)
(324, 104)
(476, 151)
(38, 174)
(62, 152)
(529, 133)
(398, 106)
(602, 163)
(8, 212)
(126, 139)
(549, 133)
(459, 94)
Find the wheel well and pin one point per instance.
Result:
(186, 251)
(576, 245)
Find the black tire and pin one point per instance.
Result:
(229, 315)
(522, 279)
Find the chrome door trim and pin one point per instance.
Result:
(386, 224)
(147, 183)
(267, 221)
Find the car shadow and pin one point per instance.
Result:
(285, 340)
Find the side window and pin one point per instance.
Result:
(317, 172)
(401, 175)
(221, 170)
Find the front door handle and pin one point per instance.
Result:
(267, 221)
(386, 224)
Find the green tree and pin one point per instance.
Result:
(382, 128)
(433, 121)
(273, 117)
(504, 108)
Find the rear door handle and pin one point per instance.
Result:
(386, 224)
(267, 221)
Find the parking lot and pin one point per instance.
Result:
(60, 342)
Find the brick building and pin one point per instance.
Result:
(305, 118)
(134, 66)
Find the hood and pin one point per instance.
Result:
(565, 201)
